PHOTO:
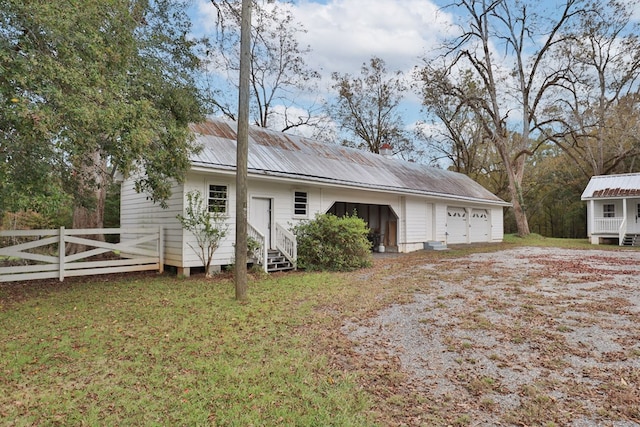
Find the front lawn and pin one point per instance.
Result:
(157, 350)
(527, 332)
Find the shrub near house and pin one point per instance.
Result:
(333, 243)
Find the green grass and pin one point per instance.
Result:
(160, 350)
(165, 351)
(538, 240)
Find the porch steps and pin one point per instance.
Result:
(435, 246)
(277, 262)
(631, 240)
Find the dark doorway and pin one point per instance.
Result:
(381, 219)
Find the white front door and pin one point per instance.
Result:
(633, 222)
(260, 217)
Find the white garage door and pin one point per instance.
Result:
(456, 225)
(479, 225)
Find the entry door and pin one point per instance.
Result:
(261, 217)
(634, 219)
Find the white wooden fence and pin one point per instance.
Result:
(43, 252)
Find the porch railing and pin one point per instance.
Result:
(622, 231)
(286, 243)
(607, 225)
(260, 253)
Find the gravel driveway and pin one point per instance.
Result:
(526, 336)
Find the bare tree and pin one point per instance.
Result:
(457, 136)
(279, 78)
(511, 85)
(367, 108)
(598, 100)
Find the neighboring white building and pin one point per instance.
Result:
(292, 178)
(613, 209)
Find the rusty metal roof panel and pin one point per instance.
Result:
(281, 154)
(612, 186)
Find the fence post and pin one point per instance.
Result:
(61, 253)
(161, 249)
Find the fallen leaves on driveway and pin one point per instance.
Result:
(527, 336)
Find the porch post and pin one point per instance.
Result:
(592, 217)
(591, 222)
(624, 221)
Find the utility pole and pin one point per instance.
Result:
(243, 153)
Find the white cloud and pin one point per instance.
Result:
(343, 34)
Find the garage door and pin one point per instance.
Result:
(456, 225)
(479, 225)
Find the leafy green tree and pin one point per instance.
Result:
(208, 227)
(333, 243)
(554, 186)
(93, 88)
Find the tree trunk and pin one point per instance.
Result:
(515, 191)
(93, 216)
(515, 172)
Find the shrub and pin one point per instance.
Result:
(209, 228)
(333, 243)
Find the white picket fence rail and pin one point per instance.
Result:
(140, 249)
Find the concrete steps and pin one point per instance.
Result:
(435, 246)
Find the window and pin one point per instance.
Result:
(609, 211)
(300, 203)
(217, 200)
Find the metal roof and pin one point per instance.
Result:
(291, 156)
(612, 186)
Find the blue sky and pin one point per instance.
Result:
(343, 34)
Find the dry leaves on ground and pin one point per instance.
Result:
(527, 336)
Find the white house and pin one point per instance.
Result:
(291, 178)
(613, 209)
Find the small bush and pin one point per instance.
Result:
(332, 243)
(24, 220)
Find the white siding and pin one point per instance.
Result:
(420, 219)
(224, 255)
(137, 210)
